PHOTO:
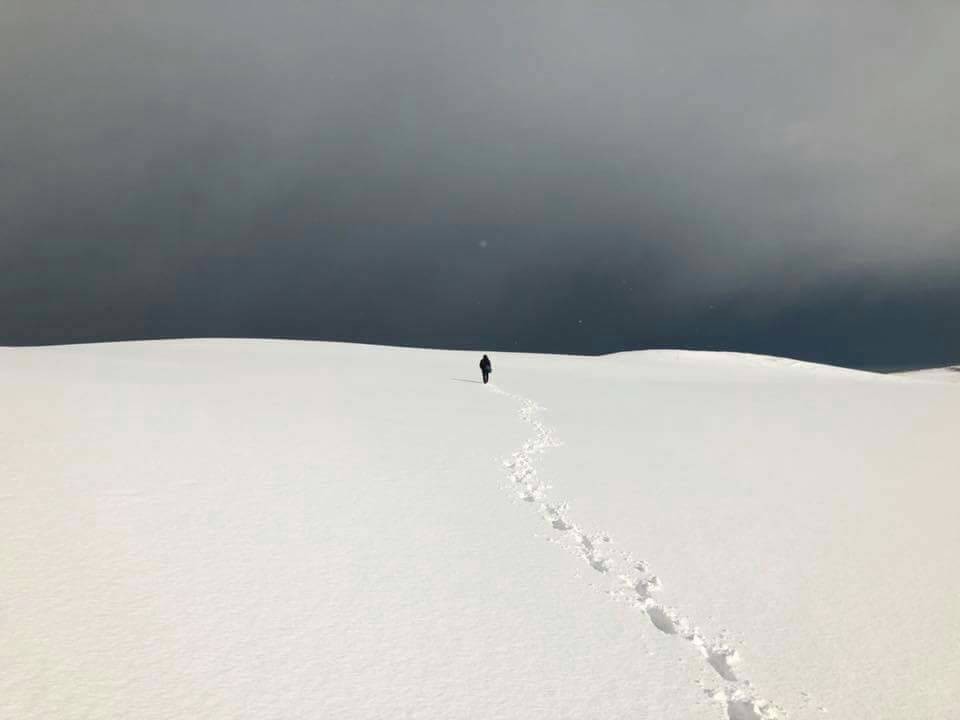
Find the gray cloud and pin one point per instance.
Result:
(331, 170)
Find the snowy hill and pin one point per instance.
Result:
(947, 374)
(266, 529)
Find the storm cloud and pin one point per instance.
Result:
(541, 176)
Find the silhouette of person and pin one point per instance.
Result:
(486, 368)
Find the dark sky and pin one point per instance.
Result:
(528, 175)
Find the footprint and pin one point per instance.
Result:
(645, 586)
(555, 516)
(742, 706)
(662, 619)
(530, 495)
(750, 709)
(723, 659)
(601, 565)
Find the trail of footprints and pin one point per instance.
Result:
(631, 580)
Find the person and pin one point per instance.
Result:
(486, 368)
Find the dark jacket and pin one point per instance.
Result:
(485, 364)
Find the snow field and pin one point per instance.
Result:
(253, 529)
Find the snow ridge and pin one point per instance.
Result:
(633, 581)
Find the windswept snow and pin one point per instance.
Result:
(253, 529)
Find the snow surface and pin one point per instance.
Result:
(269, 529)
(947, 374)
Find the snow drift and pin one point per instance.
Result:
(265, 529)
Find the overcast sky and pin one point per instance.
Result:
(532, 175)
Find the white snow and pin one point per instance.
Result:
(267, 529)
(947, 374)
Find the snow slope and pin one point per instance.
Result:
(947, 374)
(266, 529)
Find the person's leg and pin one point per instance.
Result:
(486, 376)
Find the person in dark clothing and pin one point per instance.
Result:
(486, 368)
